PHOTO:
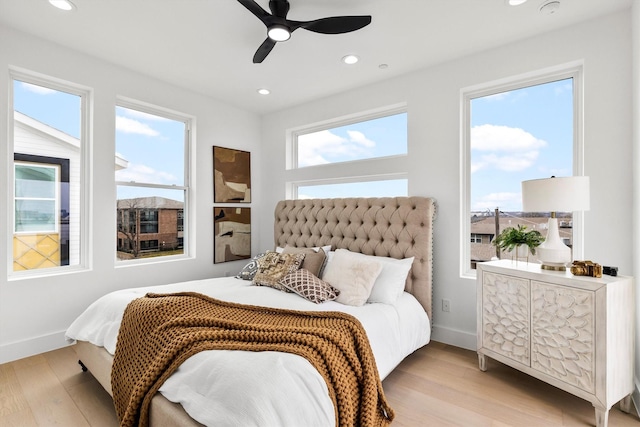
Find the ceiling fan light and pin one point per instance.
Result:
(62, 4)
(279, 33)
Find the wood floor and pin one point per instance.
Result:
(438, 385)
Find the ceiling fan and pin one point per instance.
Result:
(279, 28)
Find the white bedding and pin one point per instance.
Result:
(232, 388)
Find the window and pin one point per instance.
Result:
(515, 132)
(476, 238)
(377, 137)
(36, 198)
(152, 177)
(366, 141)
(49, 161)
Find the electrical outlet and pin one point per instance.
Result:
(446, 305)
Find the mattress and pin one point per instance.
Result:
(266, 388)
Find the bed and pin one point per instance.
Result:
(394, 228)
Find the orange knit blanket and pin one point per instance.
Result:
(160, 331)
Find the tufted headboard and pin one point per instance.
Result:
(398, 227)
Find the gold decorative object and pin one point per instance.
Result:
(586, 268)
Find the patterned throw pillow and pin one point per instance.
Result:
(249, 270)
(309, 287)
(313, 259)
(274, 266)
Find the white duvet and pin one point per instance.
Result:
(242, 388)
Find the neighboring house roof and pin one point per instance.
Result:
(486, 226)
(149, 203)
(35, 126)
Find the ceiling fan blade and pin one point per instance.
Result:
(256, 9)
(279, 8)
(263, 50)
(335, 24)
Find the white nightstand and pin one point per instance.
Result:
(573, 332)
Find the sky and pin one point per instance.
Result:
(516, 135)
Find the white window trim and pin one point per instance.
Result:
(86, 172)
(188, 221)
(570, 70)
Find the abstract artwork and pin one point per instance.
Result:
(232, 234)
(231, 175)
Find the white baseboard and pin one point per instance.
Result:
(21, 349)
(454, 337)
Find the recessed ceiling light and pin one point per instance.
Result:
(515, 2)
(264, 91)
(383, 66)
(550, 7)
(63, 4)
(350, 59)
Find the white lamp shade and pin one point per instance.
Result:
(566, 194)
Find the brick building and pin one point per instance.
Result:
(150, 224)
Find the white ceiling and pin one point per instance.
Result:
(208, 45)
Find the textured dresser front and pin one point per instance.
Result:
(573, 332)
(505, 316)
(563, 334)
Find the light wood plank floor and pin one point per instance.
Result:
(439, 385)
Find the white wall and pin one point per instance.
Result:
(635, 25)
(433, 99)
(34, 313)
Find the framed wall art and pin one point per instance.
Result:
(232, 234)
(231, 175)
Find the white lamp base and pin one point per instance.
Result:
(553, 253)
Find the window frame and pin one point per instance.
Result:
(85, 95)
(189, 232)
(293, 134)
(573, 70)
(340, 172)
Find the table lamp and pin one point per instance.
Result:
(566, 194)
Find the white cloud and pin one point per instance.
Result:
(505, 201)
(507, 148)
(325, 147)
(127, 125)
(142, 173)
(144, 116)
(567, 87)
(498, 96)
(359, 138)
(40, 90)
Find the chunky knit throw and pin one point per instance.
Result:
(160, 331)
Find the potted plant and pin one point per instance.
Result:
(513, 238)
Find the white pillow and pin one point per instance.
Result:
(389, 285)
(352, 276)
